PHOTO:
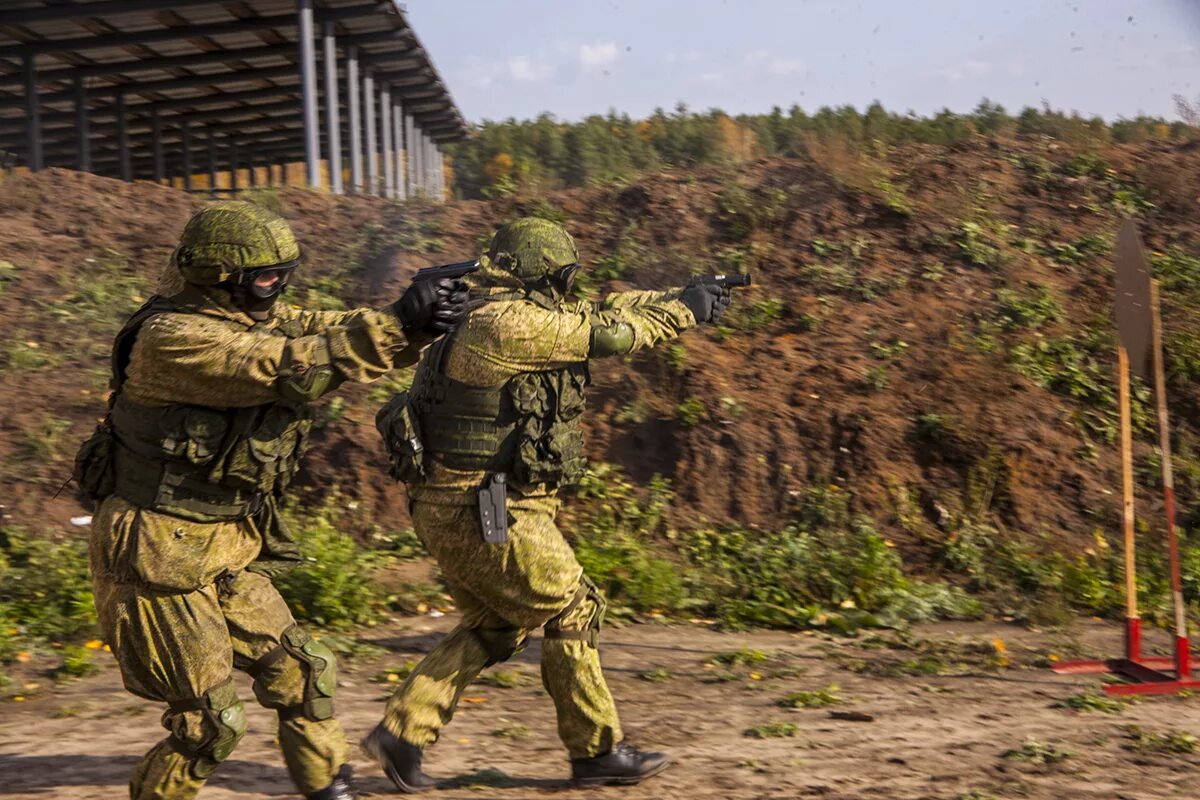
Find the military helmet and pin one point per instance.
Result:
(233, 237)
(532, 248)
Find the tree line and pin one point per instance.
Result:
(502, 157)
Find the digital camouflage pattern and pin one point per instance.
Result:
(180, 599)
(505, 592)
(228, 237)
(532, 248)
(533, 580)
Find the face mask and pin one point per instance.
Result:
(563, 278)
(256, 290)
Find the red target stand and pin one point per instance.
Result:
(1139, 331)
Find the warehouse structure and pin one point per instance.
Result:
(171, 89)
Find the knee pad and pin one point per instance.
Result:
(582, 618)
(297, 678)
(500, 644)
(223, 727)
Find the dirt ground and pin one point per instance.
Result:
(927, 736)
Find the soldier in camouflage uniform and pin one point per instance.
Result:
(498, 405)
(206, 424)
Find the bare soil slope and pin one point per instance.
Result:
(875, 351)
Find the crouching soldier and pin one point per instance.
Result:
(206, 425)
(488, 434)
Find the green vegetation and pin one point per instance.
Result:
(817, 698)
(773, 730)
(333, 586)
(1036, 752)
(504, 157)
(505, 679)
(1093, 700)
(1175, 742)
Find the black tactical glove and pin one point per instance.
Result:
(433, 307)
(706, 302)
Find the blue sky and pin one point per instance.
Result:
(517, 58)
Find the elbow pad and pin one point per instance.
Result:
(615, 339)
(304, 384)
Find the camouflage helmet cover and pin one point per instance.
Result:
(230, 237)
(532, 248)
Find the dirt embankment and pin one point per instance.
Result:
(875, 351)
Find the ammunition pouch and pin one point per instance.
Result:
(95, 464)
(397, 424)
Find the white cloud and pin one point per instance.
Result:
(967, 69)
(785, 66)
(757, 56)
(523, 68)
(597, 54)
(712, 77)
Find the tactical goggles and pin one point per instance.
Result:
(264, 283)
(565, 276)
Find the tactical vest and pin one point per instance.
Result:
(529, 428)
(197, 462)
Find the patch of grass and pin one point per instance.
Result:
(677, 358)
(656, 675)
(45, 591)
(979, 245)
(1032, 309)
(741, 212)
(512, 730)
(1036, 752)
(772, 730)
(77, 663)
(334, 585)
(692, 412)
(1081, 251)
(1092, 700)
(739, 658)
(816, 698)
(756, 315)
(395, 675)
(21, 355)
(1174, 742)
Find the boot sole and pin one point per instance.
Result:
(627, 780)
(372, 750)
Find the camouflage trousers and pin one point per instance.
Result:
(505, 592)
(180, 646)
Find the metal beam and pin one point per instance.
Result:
(333, 133)
(288, 75)
(372, 176)
(411, 152)
(308, 89)
(237, 26)
(353, 94)
(59, 11)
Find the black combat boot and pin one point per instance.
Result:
(624, 765)
(399, 759)
(340, 789)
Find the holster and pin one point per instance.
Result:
(493, 509)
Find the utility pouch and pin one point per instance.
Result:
(95, 472)
(493, 509)
(397, 424)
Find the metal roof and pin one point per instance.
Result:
(229, 68)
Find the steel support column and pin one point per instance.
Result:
(372, 176)
(123, 139)
(212, 160)
(385, 141)
(333, 125)
(397, 125)
(185, 136)
(308, 90)
(81, 126)
(33, 153)
(156, 132)
(353, 95)
(233, 164)
(411, 153)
